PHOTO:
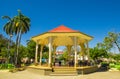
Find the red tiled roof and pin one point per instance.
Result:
(62, 28)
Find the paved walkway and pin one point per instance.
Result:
(29, 75)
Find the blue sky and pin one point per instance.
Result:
(93, 17)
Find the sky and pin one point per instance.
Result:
(93, 17)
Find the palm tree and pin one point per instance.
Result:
(8, 26)
(21, 26)
(9, 31)
(17, 25)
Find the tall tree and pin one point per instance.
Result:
(113, 39)
(95, 53)
(110, 41)
(21, 26)
(17, 25)
(8, 28)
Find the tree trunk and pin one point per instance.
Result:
(8, 52)
(9, 43)
(19, 40)
(17, 47)
(16, 53)
(117, 46)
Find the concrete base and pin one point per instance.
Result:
(87, 69)
(40, 70)
(47, 70)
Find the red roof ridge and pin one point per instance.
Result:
(62, 28)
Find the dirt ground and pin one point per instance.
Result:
(4, 74)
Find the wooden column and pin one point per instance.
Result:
(41, 49)
(50, 50)
(75, 48)
(36, 53)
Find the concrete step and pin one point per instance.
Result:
(64, 72)
(70, 70)
(63, 68)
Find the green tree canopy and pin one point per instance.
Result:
(96, 53)
(4, 46)
(113, 39)
(31, 47)
(110, 41)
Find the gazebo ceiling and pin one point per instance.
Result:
(62, 35)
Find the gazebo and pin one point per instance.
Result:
(62, 36)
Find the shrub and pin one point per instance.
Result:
(112, 65)
(117, 63)
(6, 66)
(117, 67)
(10, 66)
(104, 64)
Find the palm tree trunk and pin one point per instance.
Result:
(16, 54)
(8, 52)
(20, 35)
(117, 46)
(19, 40)
(17, 46)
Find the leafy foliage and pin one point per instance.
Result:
(3, 41)
(95, 53)
(110, 41)
(115, 56)
(45, 55)
(6, 66)
(31, 47)
(8, 27)
(4, 47)
(115, 65)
